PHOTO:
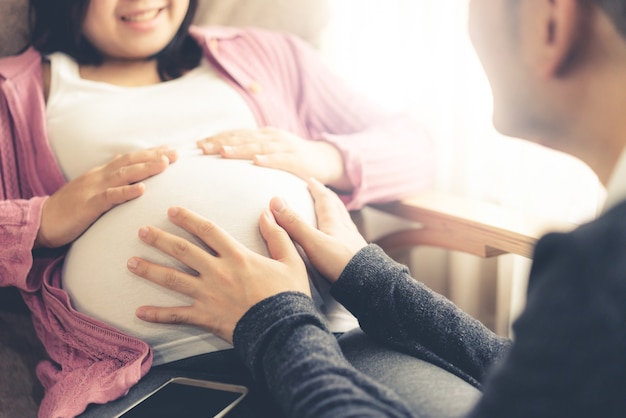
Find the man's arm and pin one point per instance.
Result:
(398, 311)
(568, 355)
(285, 343)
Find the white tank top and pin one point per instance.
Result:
(91, 122)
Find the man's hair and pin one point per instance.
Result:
(57, 26)
(616, 11)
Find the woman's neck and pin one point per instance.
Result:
(123, 72)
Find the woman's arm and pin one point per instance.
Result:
(19, 223)
(36, 209)
(20, 213)
(387, 155)
(383, 155)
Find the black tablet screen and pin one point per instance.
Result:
(180, 400)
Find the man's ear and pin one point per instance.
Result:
(562, 28)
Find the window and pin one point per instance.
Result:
(416, 56)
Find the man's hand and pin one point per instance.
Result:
(337, 239)
(230, 278)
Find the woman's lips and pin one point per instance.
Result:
(143, 16)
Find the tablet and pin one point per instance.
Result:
(191, 398)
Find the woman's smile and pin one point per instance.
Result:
(142, 16)
(125, 29)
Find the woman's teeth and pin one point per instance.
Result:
(142, 17)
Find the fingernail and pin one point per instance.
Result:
(141, 313)
(173, 212)
(132, 263)
(208, 147)
(227, 149)
(143, 232)
(279, 205)
(269, 215)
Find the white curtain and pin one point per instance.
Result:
(416, 56)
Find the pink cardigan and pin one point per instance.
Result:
(286, 86)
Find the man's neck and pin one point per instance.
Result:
(595, 127)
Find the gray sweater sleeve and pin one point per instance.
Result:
(400, 312)
(285, 343)
(567, 361)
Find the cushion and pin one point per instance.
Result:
(305, 18)
(14, 27)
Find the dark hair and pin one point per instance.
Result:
(616, 11)
(56, 26)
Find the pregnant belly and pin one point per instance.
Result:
(231, 193)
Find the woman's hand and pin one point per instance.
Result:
(231, 278)
(337, 239)
(275, 148)
(74, 207)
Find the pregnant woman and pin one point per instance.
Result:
(119, 110)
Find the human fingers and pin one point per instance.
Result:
(167, 315)
(307, 159)
(327, 254)
(118, 174)
(118, 181)
(113, 196)
(215, 143)
(334, 219)
(142, 156)
(329, 209)
(68, 212)
(282, 248)
(285, 161)
(279, 244)
(148, 154)
(217, 239)
(177, 247)
(292, 223)
(113, 187)
(167, 277)
(253, 150)
(219, 322)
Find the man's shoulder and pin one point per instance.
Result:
(606, 231)
(593, 254)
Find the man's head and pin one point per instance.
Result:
(558, 72)
(616, 10)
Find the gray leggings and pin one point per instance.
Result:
(430, 391)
